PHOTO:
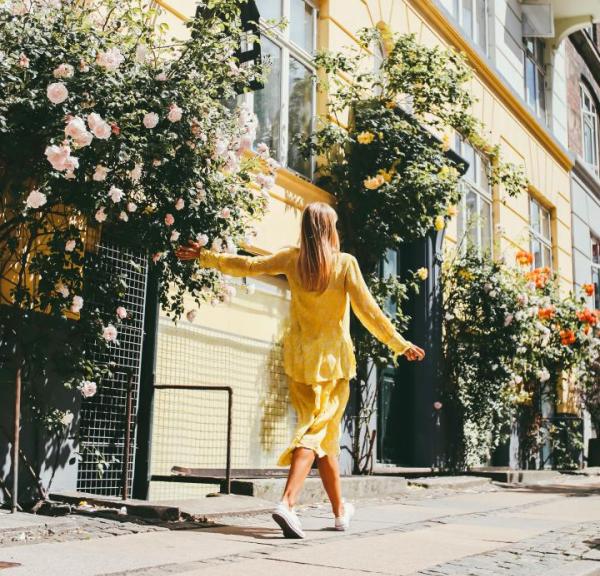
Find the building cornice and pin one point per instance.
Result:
(451, 34)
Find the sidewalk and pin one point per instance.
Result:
(550, 529)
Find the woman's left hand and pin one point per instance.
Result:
(415, 353)
(189, 252)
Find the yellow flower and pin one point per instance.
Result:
(390, 105)
(374, 182)
(365, 137)
(452, 211)
(423, 273)
(446, 142)
(465, 274)
(439, 223)
(386, 174)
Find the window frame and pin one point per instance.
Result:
(482, 195)
(458, 6)
(546, 242)
(595, 270)
(537, 57)
(592, 114)
(289, 50)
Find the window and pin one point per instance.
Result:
(596, 270)
(475, 209)
(535, 73)
(472, 17)
(285, 107)
(589, 129)
(540, 236)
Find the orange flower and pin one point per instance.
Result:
(546, 313)
(588, 289)
(567, 337)
(539, 276)
(524, 258)
(588, 316)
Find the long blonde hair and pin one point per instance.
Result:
(319, 241)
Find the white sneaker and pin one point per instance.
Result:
(288, 521)
(342, 523)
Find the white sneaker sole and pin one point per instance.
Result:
(289, 531)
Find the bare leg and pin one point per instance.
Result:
(302, 460)
(329, 470)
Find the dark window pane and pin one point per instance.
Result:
(301, 24)
(267, 102)
(595, 251)
(300, 121)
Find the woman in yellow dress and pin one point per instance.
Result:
(318, 351)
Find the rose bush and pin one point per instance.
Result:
(108, 126)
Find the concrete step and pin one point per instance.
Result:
(509, 476)
(450, 482)
(353, 488)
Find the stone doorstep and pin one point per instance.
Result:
(451, 482)
(506, 475)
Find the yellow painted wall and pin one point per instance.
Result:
(202, 354)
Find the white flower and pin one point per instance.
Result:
(493, 294)
(99, 127)
(180, 204)
(110, 60)
(61, 159)
(67, 418)
(174, 236)
(109, 333)
(487, 287)
(221, 147)
(191, 315)
(136, 172)
(225, 213)
(87, 388)
(449, 316)
(57, 92)
(23, 61)
(202, 239)
(230, 246)
(63, 71)
(508, 319)
(150, 120)
(100, 173)
(217, 245)
(115, 194)
(100, 215)
(121, 312)
(543, 374)
(265, 181)
(35, 199)
(70, 245)
(494, 367)
(175, 113)
(162, 77)
(518, 379)
(123, 216)
(131, 206)
(141, 53)
(76, 304)
(62, 290)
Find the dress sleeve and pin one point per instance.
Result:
(237, 265)
(369, 313)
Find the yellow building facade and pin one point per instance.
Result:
(237, 344)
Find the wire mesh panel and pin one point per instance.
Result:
(103, 417)
(190, 427)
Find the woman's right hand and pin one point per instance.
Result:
(189, 252)
(414, 353)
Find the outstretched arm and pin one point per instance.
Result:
(372, 317)
(236, 265)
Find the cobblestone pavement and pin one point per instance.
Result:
(544, 530)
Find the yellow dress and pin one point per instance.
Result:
(318, 355)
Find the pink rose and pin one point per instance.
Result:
(63, 71)
(437, 405)
(35, 199)
(156, 257)
(70, 245)
(174, 236)
(175, 113)
(225, 213)
(169, 219)
(109, 333)
(191, 316)
(136, 173)
(265, 181)
(60, 157)
(121, 313)
(76, 304)
(262, 148)
(110, 60)
(221, 147)
(162, 77)
(100, 173)
(179, 205)
(115, 194)
(88, 388)
(99, 127)
(131, 206)
(57, 92)
(202, 239)
(76, 129)
(100, 215)
(150, 120)
(123, 216)
(23, 61)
